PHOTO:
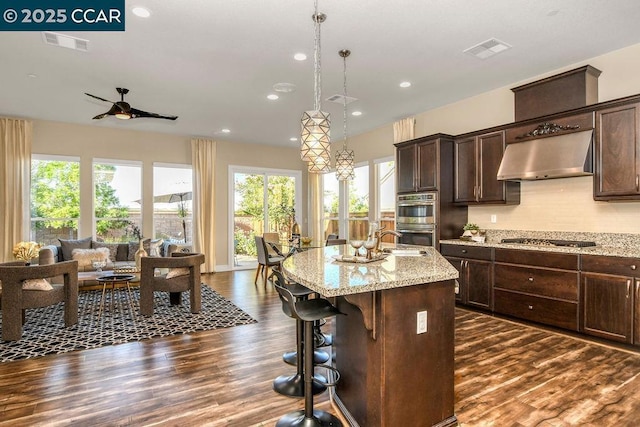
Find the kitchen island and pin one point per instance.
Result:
(390, 374)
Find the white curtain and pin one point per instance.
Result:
(203, 154)
(15, 158)
(315, 207)
(404, 130)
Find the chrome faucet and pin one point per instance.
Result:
(381, 233)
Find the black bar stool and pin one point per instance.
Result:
(308, 311)
(293, 385)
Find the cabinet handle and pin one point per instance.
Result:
(637, 289)
(530, 307)
(633, 266)
(475, 192)
(637, 182)
(628, 288)
(531, 279)
(464, 251)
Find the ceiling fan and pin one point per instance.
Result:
(122, 110)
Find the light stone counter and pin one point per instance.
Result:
(320, 272)
(617, 251)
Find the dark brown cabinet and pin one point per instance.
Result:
(537, 286)
(477, 159)
(610, 287)
(475, 268)
(617, 153)
(418, 163)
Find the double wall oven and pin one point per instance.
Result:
(416, 218)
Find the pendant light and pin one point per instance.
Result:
(345, 157)
(315, 139)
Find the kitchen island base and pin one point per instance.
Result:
(390, 374)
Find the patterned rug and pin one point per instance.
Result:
(44, 332)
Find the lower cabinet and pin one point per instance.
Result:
(538, 286)
(475, 268)
(592, 294)
(610, 289)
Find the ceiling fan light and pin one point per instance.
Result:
(123, 116)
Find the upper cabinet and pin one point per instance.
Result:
(418, 164)
(617, 153)
(477, 159)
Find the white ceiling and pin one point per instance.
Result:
(213, 62)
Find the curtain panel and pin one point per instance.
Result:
(203, 155)
(15, 177)
(404, 129)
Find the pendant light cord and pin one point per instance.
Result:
(344, 90)
(317, 76)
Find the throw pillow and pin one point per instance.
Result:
(113, 248)
(68, 246)
(155, 247)
(176, 272)
(36, 285)
(86, 256)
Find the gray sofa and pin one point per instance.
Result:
(121, 254)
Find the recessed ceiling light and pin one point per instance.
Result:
(356, 113)
(32, 75)
(272, 96)
(294, 139)
(300, 57)
(553, 12)
(405, 84)
(225, 130)
(141, 12)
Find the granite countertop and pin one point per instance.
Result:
(318, 270)
(599, 249)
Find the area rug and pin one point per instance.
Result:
(44, 331)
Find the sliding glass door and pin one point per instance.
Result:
(262, 201)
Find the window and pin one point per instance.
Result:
(331, 203)
(386, 195)
(172, 203)
(263, 201)
(55, 199)
(358, 214)
(117, 199)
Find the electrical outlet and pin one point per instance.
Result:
(494, 219)
(422, 322)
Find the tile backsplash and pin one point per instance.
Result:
(560, 205)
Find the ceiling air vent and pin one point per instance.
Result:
(487, 48)
(63, 40)
(339, 99)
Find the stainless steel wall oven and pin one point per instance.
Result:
(416, 218)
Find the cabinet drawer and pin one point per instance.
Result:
(537, 258)
(466, 251)
(543, 282)
(561, 314)
(611, 265)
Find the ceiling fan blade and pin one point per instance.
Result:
(135, 113)
(112, 111)
(97, 97)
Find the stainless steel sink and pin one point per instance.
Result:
(405, 251)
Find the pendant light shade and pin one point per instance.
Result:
(315, 137)
(345, 157)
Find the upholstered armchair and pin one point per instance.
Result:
(15, 299)
(183, 275)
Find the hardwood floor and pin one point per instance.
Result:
(507, 374)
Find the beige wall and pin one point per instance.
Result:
(554, 205)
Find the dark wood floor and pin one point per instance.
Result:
(507, 374)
